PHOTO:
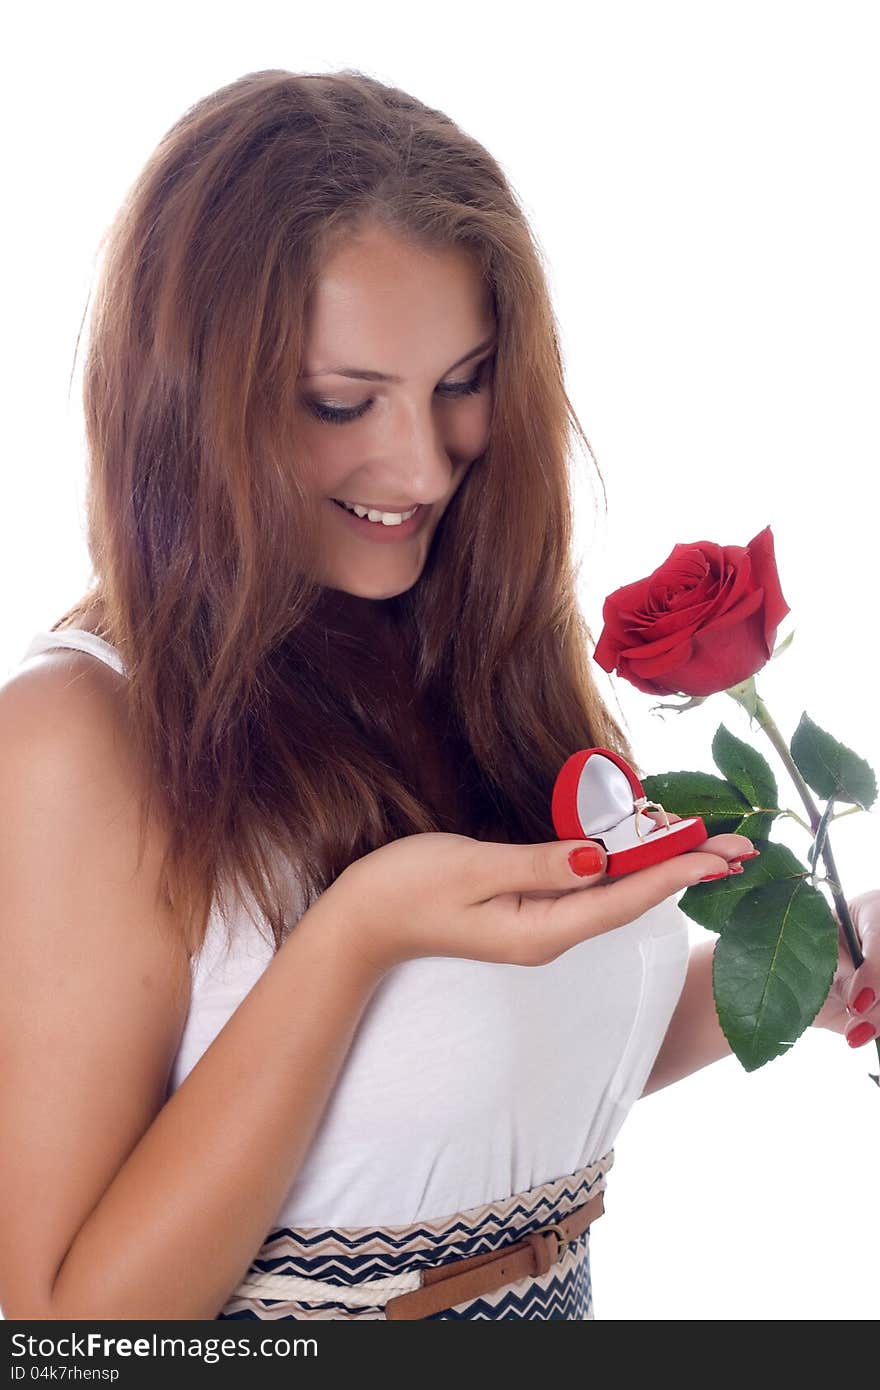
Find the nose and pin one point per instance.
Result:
(419, 467)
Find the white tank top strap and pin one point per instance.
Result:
(80, 640)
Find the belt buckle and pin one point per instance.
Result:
(562, 1238)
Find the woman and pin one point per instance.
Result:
(312, 1016)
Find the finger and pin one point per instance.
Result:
(564, 921)
(864, 912)
(860, 992)
(730, 847)
(863, 991)
(536, 868)
(863, 1029)
(545, 867)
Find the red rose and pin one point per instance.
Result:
(705, 620)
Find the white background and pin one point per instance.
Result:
(702, 179)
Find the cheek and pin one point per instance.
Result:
(468, 432)
(326, 456)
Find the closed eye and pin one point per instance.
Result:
(334, 415)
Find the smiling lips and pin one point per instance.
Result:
(378, 506)
(386, 530)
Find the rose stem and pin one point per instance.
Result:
(767, 723)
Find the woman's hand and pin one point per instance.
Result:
(436, 894)
(850, 986)
(728, 846)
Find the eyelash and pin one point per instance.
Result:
(333, 416)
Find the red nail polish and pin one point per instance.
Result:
(586, 859)
(724, 874)
(860, 1034)
(753, 854)
(863, 1000)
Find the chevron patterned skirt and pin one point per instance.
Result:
(350, 1272)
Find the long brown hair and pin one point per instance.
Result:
(261, 738)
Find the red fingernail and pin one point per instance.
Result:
(737, 869)
(586, 859)
(861, 1034)
(863, 1000)
(709, 877)
(753, 854)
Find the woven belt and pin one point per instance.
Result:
(445, 1285)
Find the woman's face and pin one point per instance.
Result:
(405, 437)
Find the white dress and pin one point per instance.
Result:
(466, 1081)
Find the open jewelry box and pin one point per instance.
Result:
(597, 796)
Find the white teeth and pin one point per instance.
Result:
(386, 518)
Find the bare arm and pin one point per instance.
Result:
(114, 1203)
(190, 1207)
(694, 1037)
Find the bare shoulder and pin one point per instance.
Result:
(83, 690)
(64, 712)
(66, 747)
(67, 755)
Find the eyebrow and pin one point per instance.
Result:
(361, 374)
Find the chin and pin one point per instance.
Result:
(379, 593)
(362, 587)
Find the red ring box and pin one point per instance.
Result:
(597, 796)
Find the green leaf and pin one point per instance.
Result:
(713, 904)
(830, 768)
(696, 794)
(727, 825)
(746, 768)
(756, 826)
(721, 806)
(772, 968)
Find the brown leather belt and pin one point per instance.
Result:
(451, 1283)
